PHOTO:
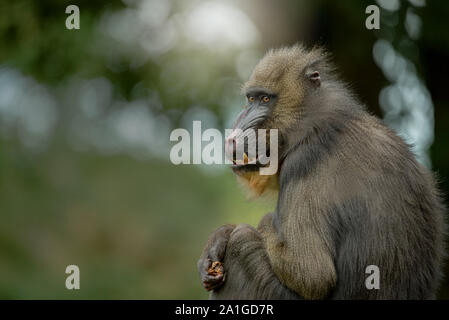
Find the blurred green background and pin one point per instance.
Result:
(85, 119)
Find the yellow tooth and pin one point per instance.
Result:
(245, 158)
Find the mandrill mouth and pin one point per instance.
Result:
(237, 150)
(245, 164)
(244, 160)
(248, 151)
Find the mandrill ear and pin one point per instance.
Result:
(314, 77)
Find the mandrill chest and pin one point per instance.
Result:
(257, 183)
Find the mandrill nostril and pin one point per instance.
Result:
(230, 141)
(230, 147)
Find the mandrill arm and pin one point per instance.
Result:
(247, 271)
(305, 266)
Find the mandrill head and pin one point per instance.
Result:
(276, 95)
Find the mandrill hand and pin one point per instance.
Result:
(210, 265)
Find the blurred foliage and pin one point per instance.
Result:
(134, 228)
(134, 224)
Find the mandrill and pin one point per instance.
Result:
(350, 195)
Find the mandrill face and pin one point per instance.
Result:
(275, 93)
(249, 141)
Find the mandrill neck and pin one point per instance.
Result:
(326, 114)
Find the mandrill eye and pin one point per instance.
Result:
(251, 99)
(265, 99)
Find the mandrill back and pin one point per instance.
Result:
(373, 203)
